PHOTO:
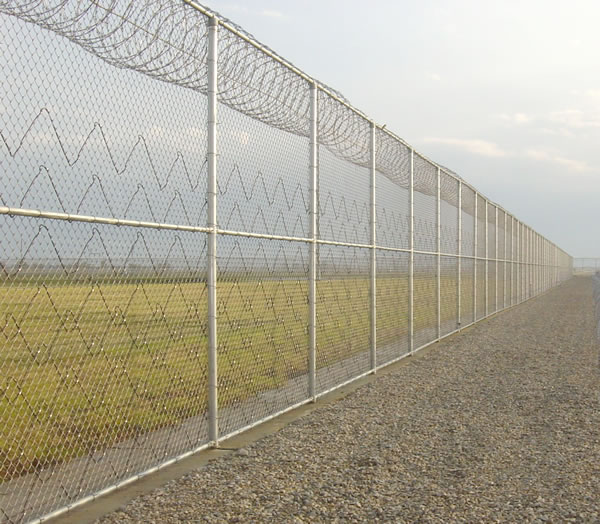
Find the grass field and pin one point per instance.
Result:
(89, 364)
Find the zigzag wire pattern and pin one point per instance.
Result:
(167, 40)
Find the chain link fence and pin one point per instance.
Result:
(196, 236)
(586, 266)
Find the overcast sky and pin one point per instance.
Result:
(507, 94)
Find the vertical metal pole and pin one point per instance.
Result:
(373, 286)
(487, 243)
(475, 261)
(411, 262)
(438, 223)
(213, 406)
(459, 260)
(312, 263)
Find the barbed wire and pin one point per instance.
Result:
(167, 40)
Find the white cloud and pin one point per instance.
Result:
(569, 163)
(559, 131)
(471, 145)
(575, 118)
(435, 77)
(518, 119)
(272, 13)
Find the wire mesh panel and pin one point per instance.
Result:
(262, 178)
(491, 254)
(448, 294)
(468, 221)
(502, 266)
(342, 315)
(425, 214)
(425, 299)
(491, 288)
(448, 214)
(519, 262)
(343, 207)
(392, 192)
(480, 296)
(104, 353)
(466, 291)
(481, 229)
(392, 305)
(262, 318)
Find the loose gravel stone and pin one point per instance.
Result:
(498, 423)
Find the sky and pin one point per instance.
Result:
(506, 94)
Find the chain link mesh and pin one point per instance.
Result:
(105, 184)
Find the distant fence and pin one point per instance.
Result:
(197, 236)
(586, 265)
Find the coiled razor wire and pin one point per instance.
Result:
(168, 40)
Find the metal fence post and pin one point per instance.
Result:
(459, 260)
(411, 263)
(438, 224)
(475, 260)
(373, 286)
(312, 264)
(213, 409)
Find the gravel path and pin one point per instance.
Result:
(499, 423)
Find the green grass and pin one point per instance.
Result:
(86, 365)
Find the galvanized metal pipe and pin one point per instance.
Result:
(373, 224)
(313, 175)
(212, 62)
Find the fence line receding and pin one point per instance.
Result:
(197, 236)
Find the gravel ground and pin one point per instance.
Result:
(498, 423)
